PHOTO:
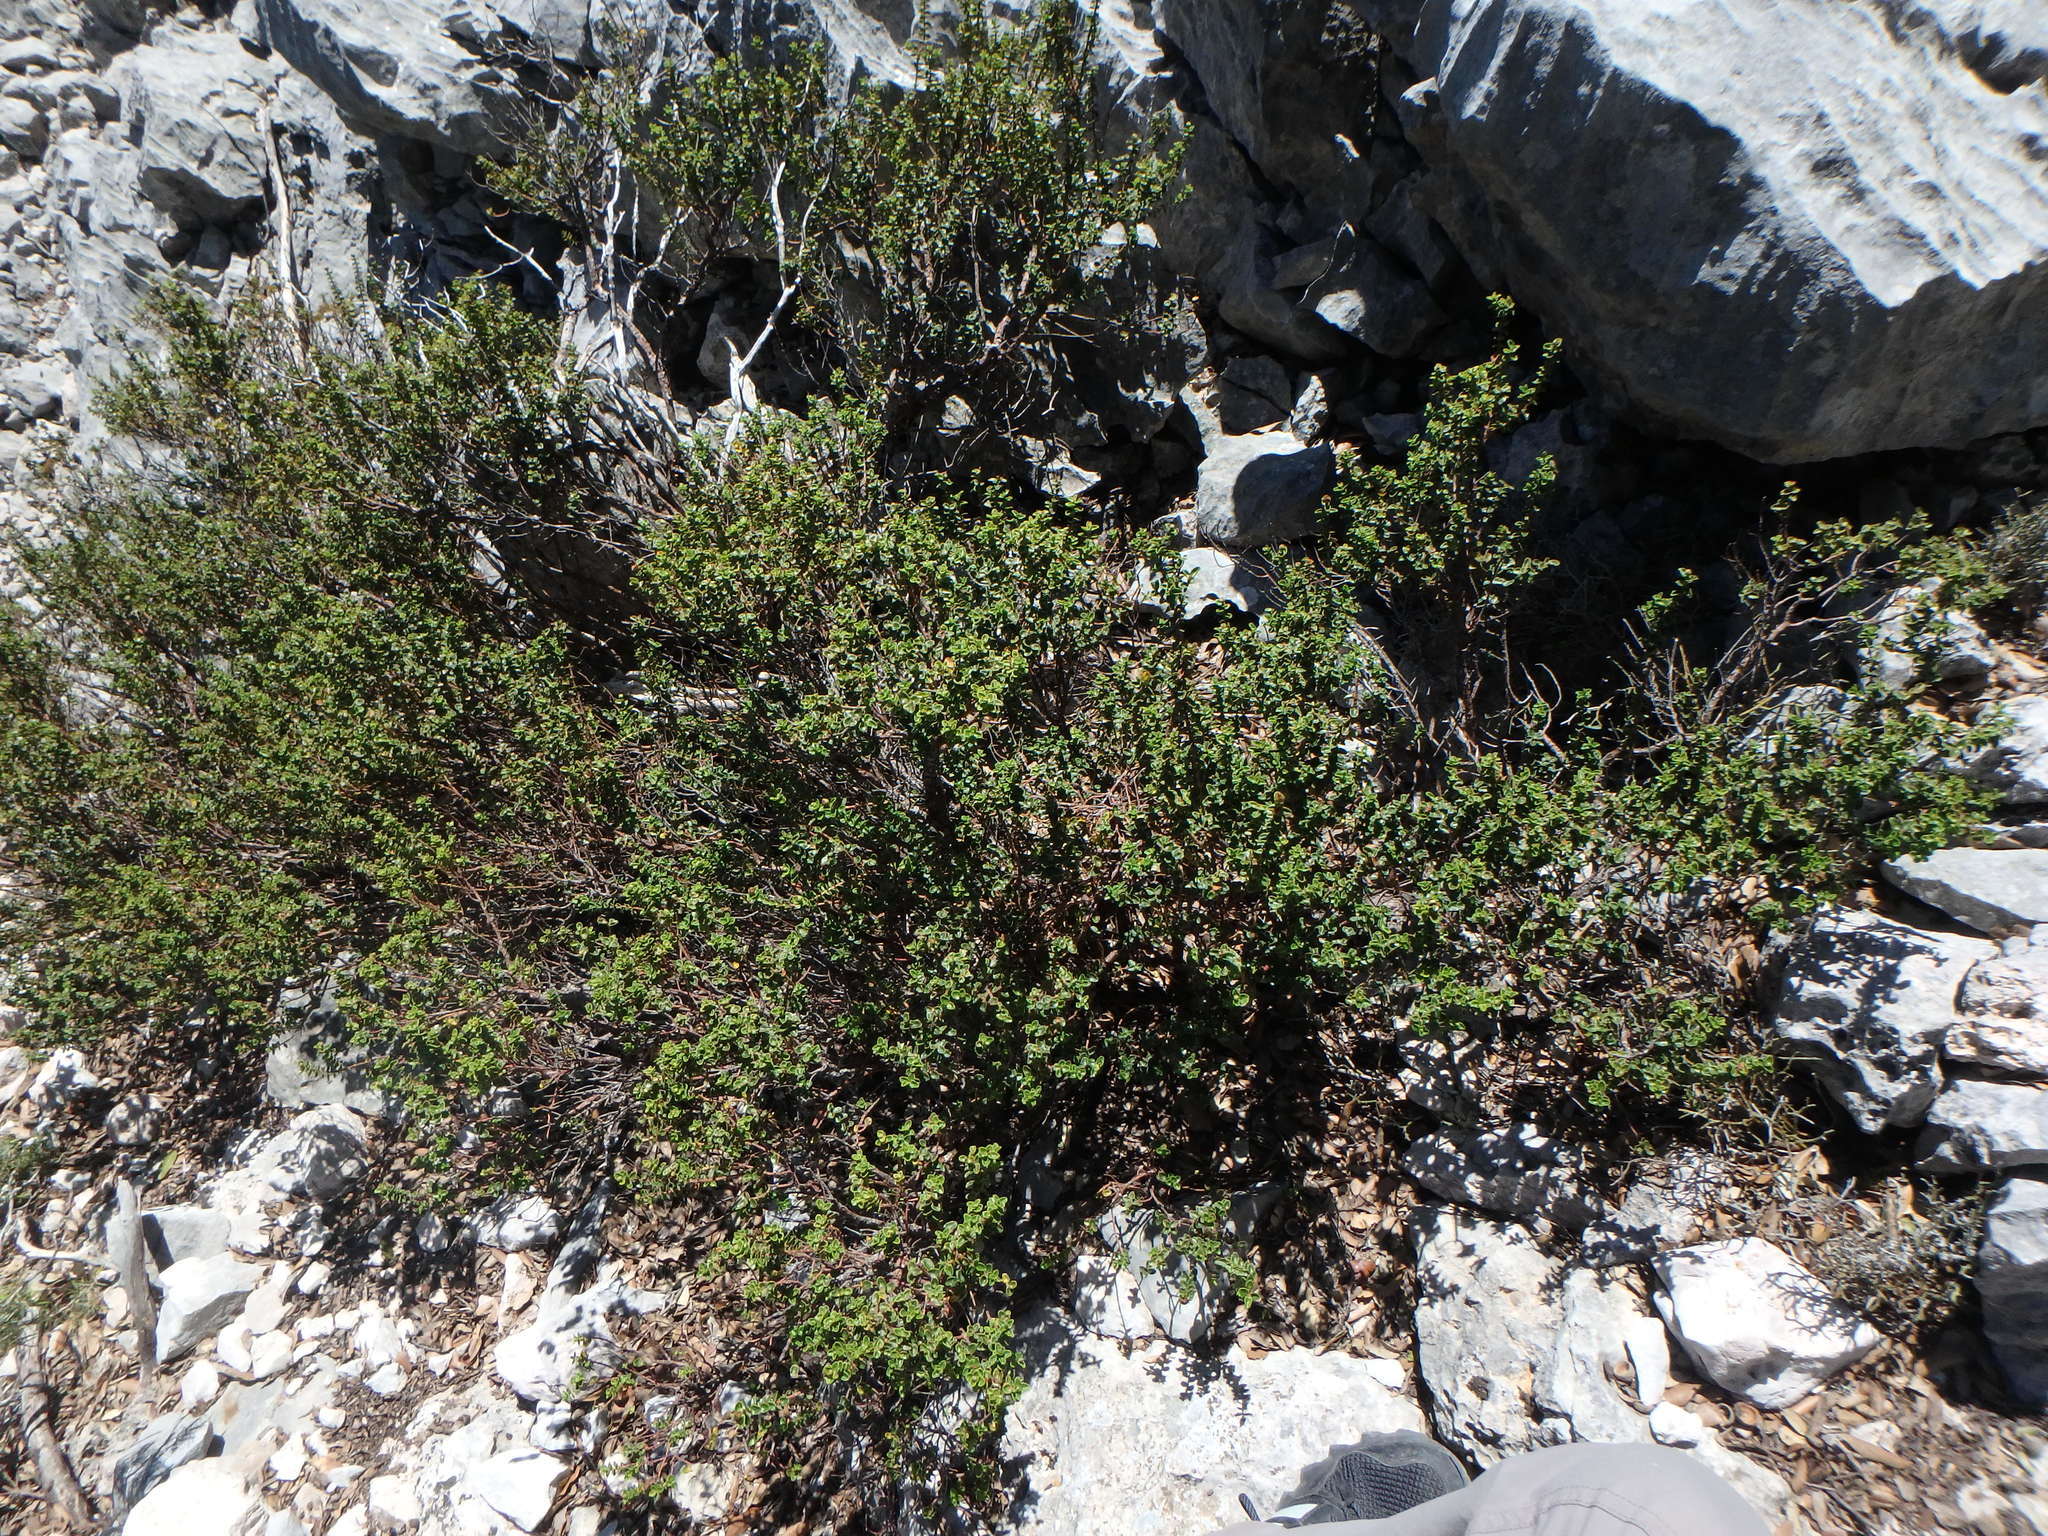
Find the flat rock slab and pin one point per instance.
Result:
(1115, 1443)
(1983, 1123)
(1994, 890)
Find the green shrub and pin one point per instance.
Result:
(908, 840)
(925, 242)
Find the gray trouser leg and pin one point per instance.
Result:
(1571, 1490)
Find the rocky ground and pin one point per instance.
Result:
(332, 1358)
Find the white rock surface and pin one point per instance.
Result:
(320, 1155)
(1106, 1301)
(1866, 1002)
(1994, 890)
(520, 1485)
(1262, 488)
(1513, 1172)
(1109, 1442)
(178, 1232)
(1756, 1321)
(201, 1498)
(1919, 641)
(61, 1080)
(200, 1297)
(516, 1223)
(2018, 763)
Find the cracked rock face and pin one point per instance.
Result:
(1725, 209)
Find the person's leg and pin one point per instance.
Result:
(1571, 1490)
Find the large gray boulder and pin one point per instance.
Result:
(1262, 488)
(2012, 1279)
(192, 105)
(1866, 1003)
(1802, 228)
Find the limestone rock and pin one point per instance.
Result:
(1519, 1351)
(200, 1297)
(515, 1223)
(520, 1485)
(1516, 1172)
(2004, 1026)
(1792, 304)
(1976, 1123)
(422, 69)
(1215, 580)
(2012, 1279)
(62, 1080)
(1106, 1300)
(1866, 1002)
(201, 1498)
(1184, 1297)
(1112, 1444)
(175, 1233)
(1263, 488)
(2017, 763)
(1993, 890)
(1487, 1324)
(314, 1063)
(317, 1157)
(1918, 640)
(192, 104)
(165, 1444)
(1757, 1321)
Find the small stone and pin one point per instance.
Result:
(1214, 580)
(1917, 638)
(1756, 1321)
(386, 1380)
(317, 1157)
(433, 1233)
(327, 1416)
(1673, 1425)
(62, 1080)
(516, 1224)
(314, 1280)
(287, 1464)
(1106, 1300)
(175, 1233)
(199, 1386)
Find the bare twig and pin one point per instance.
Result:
(38, 1428)
(124, 1243)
